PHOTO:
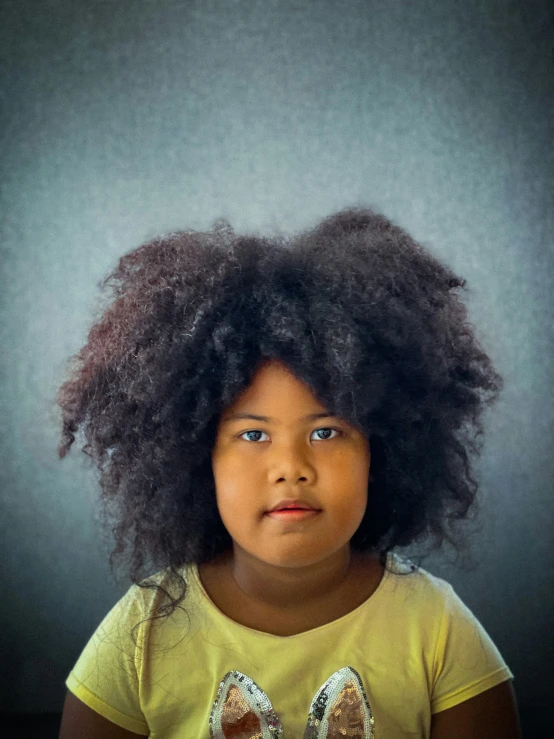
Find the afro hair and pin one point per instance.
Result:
(358, 310)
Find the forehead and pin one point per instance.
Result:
(267, 419)
(274, 374)
(274, 386)
(277, 396)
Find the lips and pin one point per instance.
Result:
(293, 516)
(289, 504)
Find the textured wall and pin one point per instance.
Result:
(128, 119)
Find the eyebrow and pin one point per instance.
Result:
(266, 419)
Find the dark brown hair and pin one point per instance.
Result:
(357, 309)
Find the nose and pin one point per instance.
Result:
(292, 464)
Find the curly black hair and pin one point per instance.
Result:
(357, 310)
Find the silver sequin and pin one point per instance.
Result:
(340, 708)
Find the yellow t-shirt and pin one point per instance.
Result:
(410, 650)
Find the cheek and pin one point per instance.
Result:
(350, 469)
(231, 464)
(352, 490)
(233, 484)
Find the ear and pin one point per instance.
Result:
(242, 710)
(339, 708)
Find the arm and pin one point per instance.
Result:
(81, 722)
(492, 714)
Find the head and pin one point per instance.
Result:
(300, 451)
(352, 317)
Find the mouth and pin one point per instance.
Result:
(292, 514)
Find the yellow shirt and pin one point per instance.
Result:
(410, 650)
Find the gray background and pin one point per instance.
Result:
(128, 119)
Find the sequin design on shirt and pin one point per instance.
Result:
(340, 708)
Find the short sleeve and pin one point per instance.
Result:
(106, 677)
(466, 660)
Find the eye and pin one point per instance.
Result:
(327, 428)
(254, 431)
(323, 428)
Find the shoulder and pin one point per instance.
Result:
(150, 597)
(405, 578)
(173, 581)
(430, 596)
(413, 598)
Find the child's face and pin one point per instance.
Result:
(287, 457)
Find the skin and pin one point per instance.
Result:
(81, 722)
(325, 461)
(297, 573)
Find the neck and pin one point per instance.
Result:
(291, 588)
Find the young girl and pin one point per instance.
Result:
(270, 418)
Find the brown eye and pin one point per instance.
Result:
(254, 431)
(326, 428)
(257, 431)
